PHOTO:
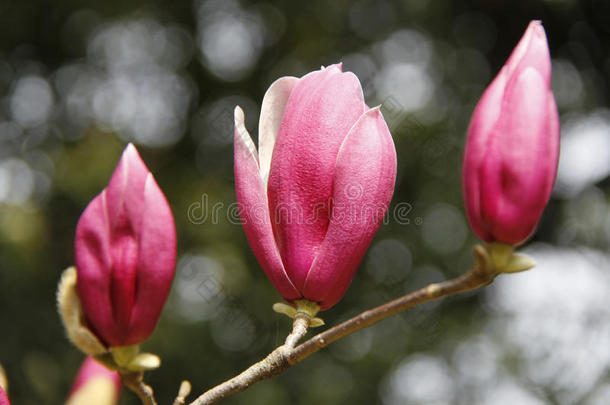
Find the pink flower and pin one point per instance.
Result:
(313, 196)
(3, 398)
(125, 254)
(95, 385)
(510, 161)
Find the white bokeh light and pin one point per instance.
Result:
(409, 84)
(420, 379)
(32, 101)
(406, 78)
(477, 360)
(558, 317)
(131, 83)
(406, 46)
(198, 292)
(508, 392)
(585, 152)
(16, 181)
(230, 38)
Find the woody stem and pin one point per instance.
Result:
(135, 382)
(288, 355)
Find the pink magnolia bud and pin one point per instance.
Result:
(95, 385)
(3, 398)
(313, 196)
(510, 161)
(125, 254)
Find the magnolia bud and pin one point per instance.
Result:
(125, 255)
(314, 194)
(511, 154)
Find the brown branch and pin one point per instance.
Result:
(275, 363)
(299, 329)
(466, 282)
(135, 382)
(286, 356)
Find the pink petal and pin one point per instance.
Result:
(484, 118)
(157, 253)
(94, 266)
(124, 207)
(254, 210)
(125, 188)
(321, 109)
(519, 168)
(363, 186)
(125, 250)
(531, 51)
(531, 54)
(272, 111)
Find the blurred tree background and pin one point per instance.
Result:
(79, 79)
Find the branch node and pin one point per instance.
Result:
(433, 290)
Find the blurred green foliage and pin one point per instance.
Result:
(427, 62)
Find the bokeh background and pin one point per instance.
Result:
(79, 79)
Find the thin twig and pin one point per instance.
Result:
(299, 329)
(135, 382)
(285, 356)
(271, 365)
(468, 281)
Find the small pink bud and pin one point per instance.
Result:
(95, 385)
(313, 196)
(125, 254)
(3, 398)
(511, 154)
